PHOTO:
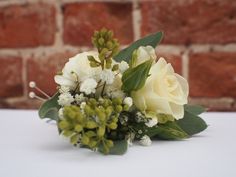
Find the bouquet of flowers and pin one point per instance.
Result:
(109, 98)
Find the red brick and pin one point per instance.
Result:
(175, 61)
(27, 25)
(43, 69)
(212, 74)
(11, 76)
(81, 19)
(195, 21)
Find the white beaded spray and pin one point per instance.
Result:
(32, 94)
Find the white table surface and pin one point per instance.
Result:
(29, 147)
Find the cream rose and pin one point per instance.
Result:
(77, 69)
(164, 91)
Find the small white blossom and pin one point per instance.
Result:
(128, 101)
(79, 98)
(60, 113)
(64, 89)
(145, 141)
(88, 86)
(65, 99)
(151, 122)
(82, 105)
(123, 66)
(107, 76)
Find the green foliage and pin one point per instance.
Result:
(107, 47)
(117, 148)
(168, 131)
(194, 109)
(90, 126)
(192, 123)
(126, 54)
(49, 109)
(134, 78)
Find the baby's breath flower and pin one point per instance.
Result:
(88, 86)
(128, 101)
(65, 99)
(145, 141)
(107, 76)
(151, 122)
(79, 98)
(64, 89)
(82, 105)
(123, 66)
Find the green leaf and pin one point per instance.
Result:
(194, 109)
(167, 131)
(135, 78)
(49, 109)
(191, 123)
(126, 54)
(119, 148)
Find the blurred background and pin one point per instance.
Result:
(38, 36)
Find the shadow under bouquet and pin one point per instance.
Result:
(109, 98)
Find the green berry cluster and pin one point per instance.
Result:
(107, 47)
(89, 124)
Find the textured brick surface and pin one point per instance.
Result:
(81, 19)
(195, 21)
(11, 76)
(212, 74)
(43, 69)
(27, 25)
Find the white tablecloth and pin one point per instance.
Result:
(30, 147)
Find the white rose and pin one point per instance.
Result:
(144, 54)
(77, 69)
(164, 91)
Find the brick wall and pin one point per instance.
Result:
(38, 36)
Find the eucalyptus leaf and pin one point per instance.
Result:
(134, 78)
(167, 131)
(194, 109)
(119, 148)
(126, 54)
(49, 109)
(191, 123)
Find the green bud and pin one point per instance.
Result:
(90, 134)
(126, 108)
(78, 128)
(91, 125)
(74, 139)
(92, 102)
(63, 125)
(101, 41)
(109, 143)
(88, 110)
(101, 114)
(115, 67)
(101, 131)
(67, 133)
(85, 140)
(117, 101)
(112, 126)
(94, 64)
(109, 45)
(119, 108)
(92, 144)
(109, 110)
